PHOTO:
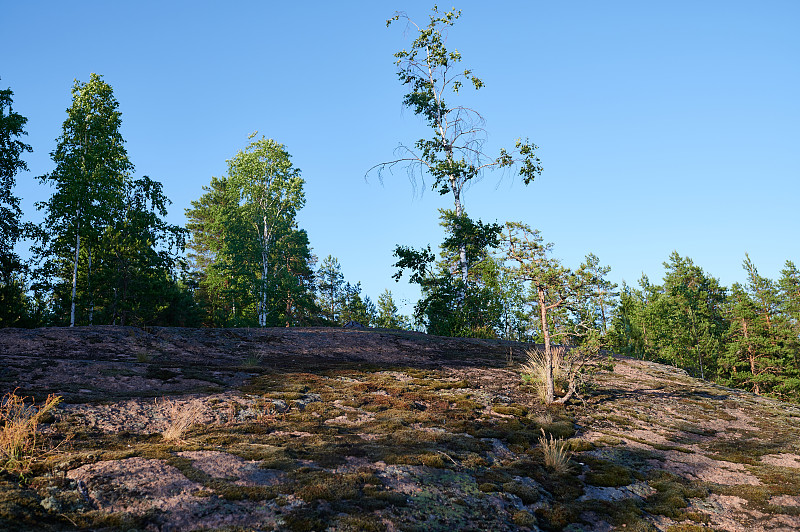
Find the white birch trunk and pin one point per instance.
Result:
(262, 304)
(89, 288)
(462, 248)
(75, 272)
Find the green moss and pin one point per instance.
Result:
(560, 429)
(577, 445)
(672, 495)
(233, 492)
(526, 493)
(607, 441)
(357, 523)
(511, 410)
(609, 474)
(557, 516)
(781, 480)
(306, 520)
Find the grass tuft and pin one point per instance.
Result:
(181, 417)
(18, 435)
(556, 454)
(535, 369)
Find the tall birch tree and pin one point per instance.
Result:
(270, 193)
(453, 156)
(91, 168)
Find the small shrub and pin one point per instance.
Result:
(556, 454)
(181, 417)
(18, 443)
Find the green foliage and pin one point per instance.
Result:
(453, 156)
(105, 251)
(386, 313)
(762, 345)
(135, 283)
(570, 305)
(14, 303)
(253, 265)
(680, 322)
(450, 305)
(355, 308)
(339, 301)
(746, 337)
(330, 289)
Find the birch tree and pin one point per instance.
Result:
(270, 192)
(91, 168)
(453, 156)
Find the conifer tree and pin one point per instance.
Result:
(387, 316)
(12, 295)
(330, 289)
(759, 355)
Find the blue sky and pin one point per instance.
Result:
(662, 126)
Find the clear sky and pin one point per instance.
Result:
(662, 125)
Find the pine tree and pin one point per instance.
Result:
(387, 316)
(330, 289)
(760, 355)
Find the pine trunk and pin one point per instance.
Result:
(548, 354)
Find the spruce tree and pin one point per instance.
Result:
(12, 295)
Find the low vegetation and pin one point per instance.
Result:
(452, 440)
(20, 441)
(180, 417)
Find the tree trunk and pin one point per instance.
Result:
(262, 305)
(462, 247)
(548, 354)
(89, 289)
(75, 272)
(751, 357)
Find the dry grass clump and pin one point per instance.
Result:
(535, 368)
(18, 434)
(180, 418)
(556, 453)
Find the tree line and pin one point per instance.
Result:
(105, 253)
